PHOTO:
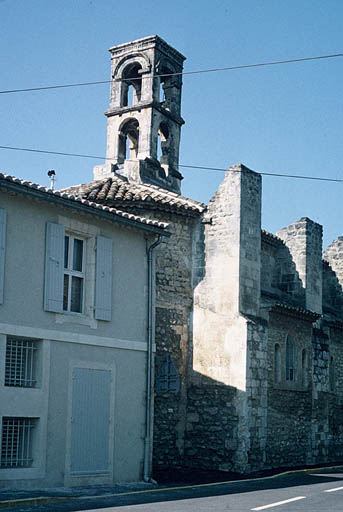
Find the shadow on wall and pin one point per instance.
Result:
(332, 291)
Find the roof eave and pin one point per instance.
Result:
(73, 204)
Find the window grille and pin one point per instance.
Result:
(20, 366)
(16, 443)
(167, 378)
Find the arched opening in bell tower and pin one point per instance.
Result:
(167, 83)
(128, 141)
(131, 85)
(163, 143)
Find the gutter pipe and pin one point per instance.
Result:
(148, 412)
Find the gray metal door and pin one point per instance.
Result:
(90, 421)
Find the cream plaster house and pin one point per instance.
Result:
(75, 291)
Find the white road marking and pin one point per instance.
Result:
(276, 504)
(333, 490)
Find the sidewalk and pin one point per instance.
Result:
(10, 498)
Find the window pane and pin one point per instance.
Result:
(77, 255)
(76, 295)
(66, 251)
(65, 292)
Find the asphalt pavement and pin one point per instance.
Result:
(298, 491)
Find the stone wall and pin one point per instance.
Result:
(174, 305)
(304, 241)
(256, 395)
(289, 402)
(228, 413)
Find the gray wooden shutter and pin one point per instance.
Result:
(54, 262)
(103, 279)
(2, 252)
(90, 427)
(167, 377)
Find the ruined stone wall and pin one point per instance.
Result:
(332, 290)
(333, 276)
(304, 241)
(334, 255)
(269, 248)
(279, 275)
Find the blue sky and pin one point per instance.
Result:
(285, 119)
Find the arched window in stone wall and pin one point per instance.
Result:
(131, 85)
(163, 143)
(290, 369)
(167, 84)
(128, 141)
(304, 368)
(277, 363)
(332, 374)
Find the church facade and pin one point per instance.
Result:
(248, 325)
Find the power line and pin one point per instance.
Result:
(226, 68)
(199, 167)
(244, 66)
(54, 152)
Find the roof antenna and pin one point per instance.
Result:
(52, 176)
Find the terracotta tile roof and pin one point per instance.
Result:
(117, 191)
(6, 181)
(296, 311)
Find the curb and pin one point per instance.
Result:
(43, 500)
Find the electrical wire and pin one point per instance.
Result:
(198, 167)
(226, 68)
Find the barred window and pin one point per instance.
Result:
(21, 363)
(17, 442)
(290, 370)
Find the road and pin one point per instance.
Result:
(298, 492)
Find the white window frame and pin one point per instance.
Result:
(88, 233)
(70, 272)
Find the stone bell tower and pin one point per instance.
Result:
(144, 116)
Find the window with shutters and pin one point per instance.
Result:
(167, 377)
(18, 442)
(22, 367)
(74, 274)
(78, 273)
